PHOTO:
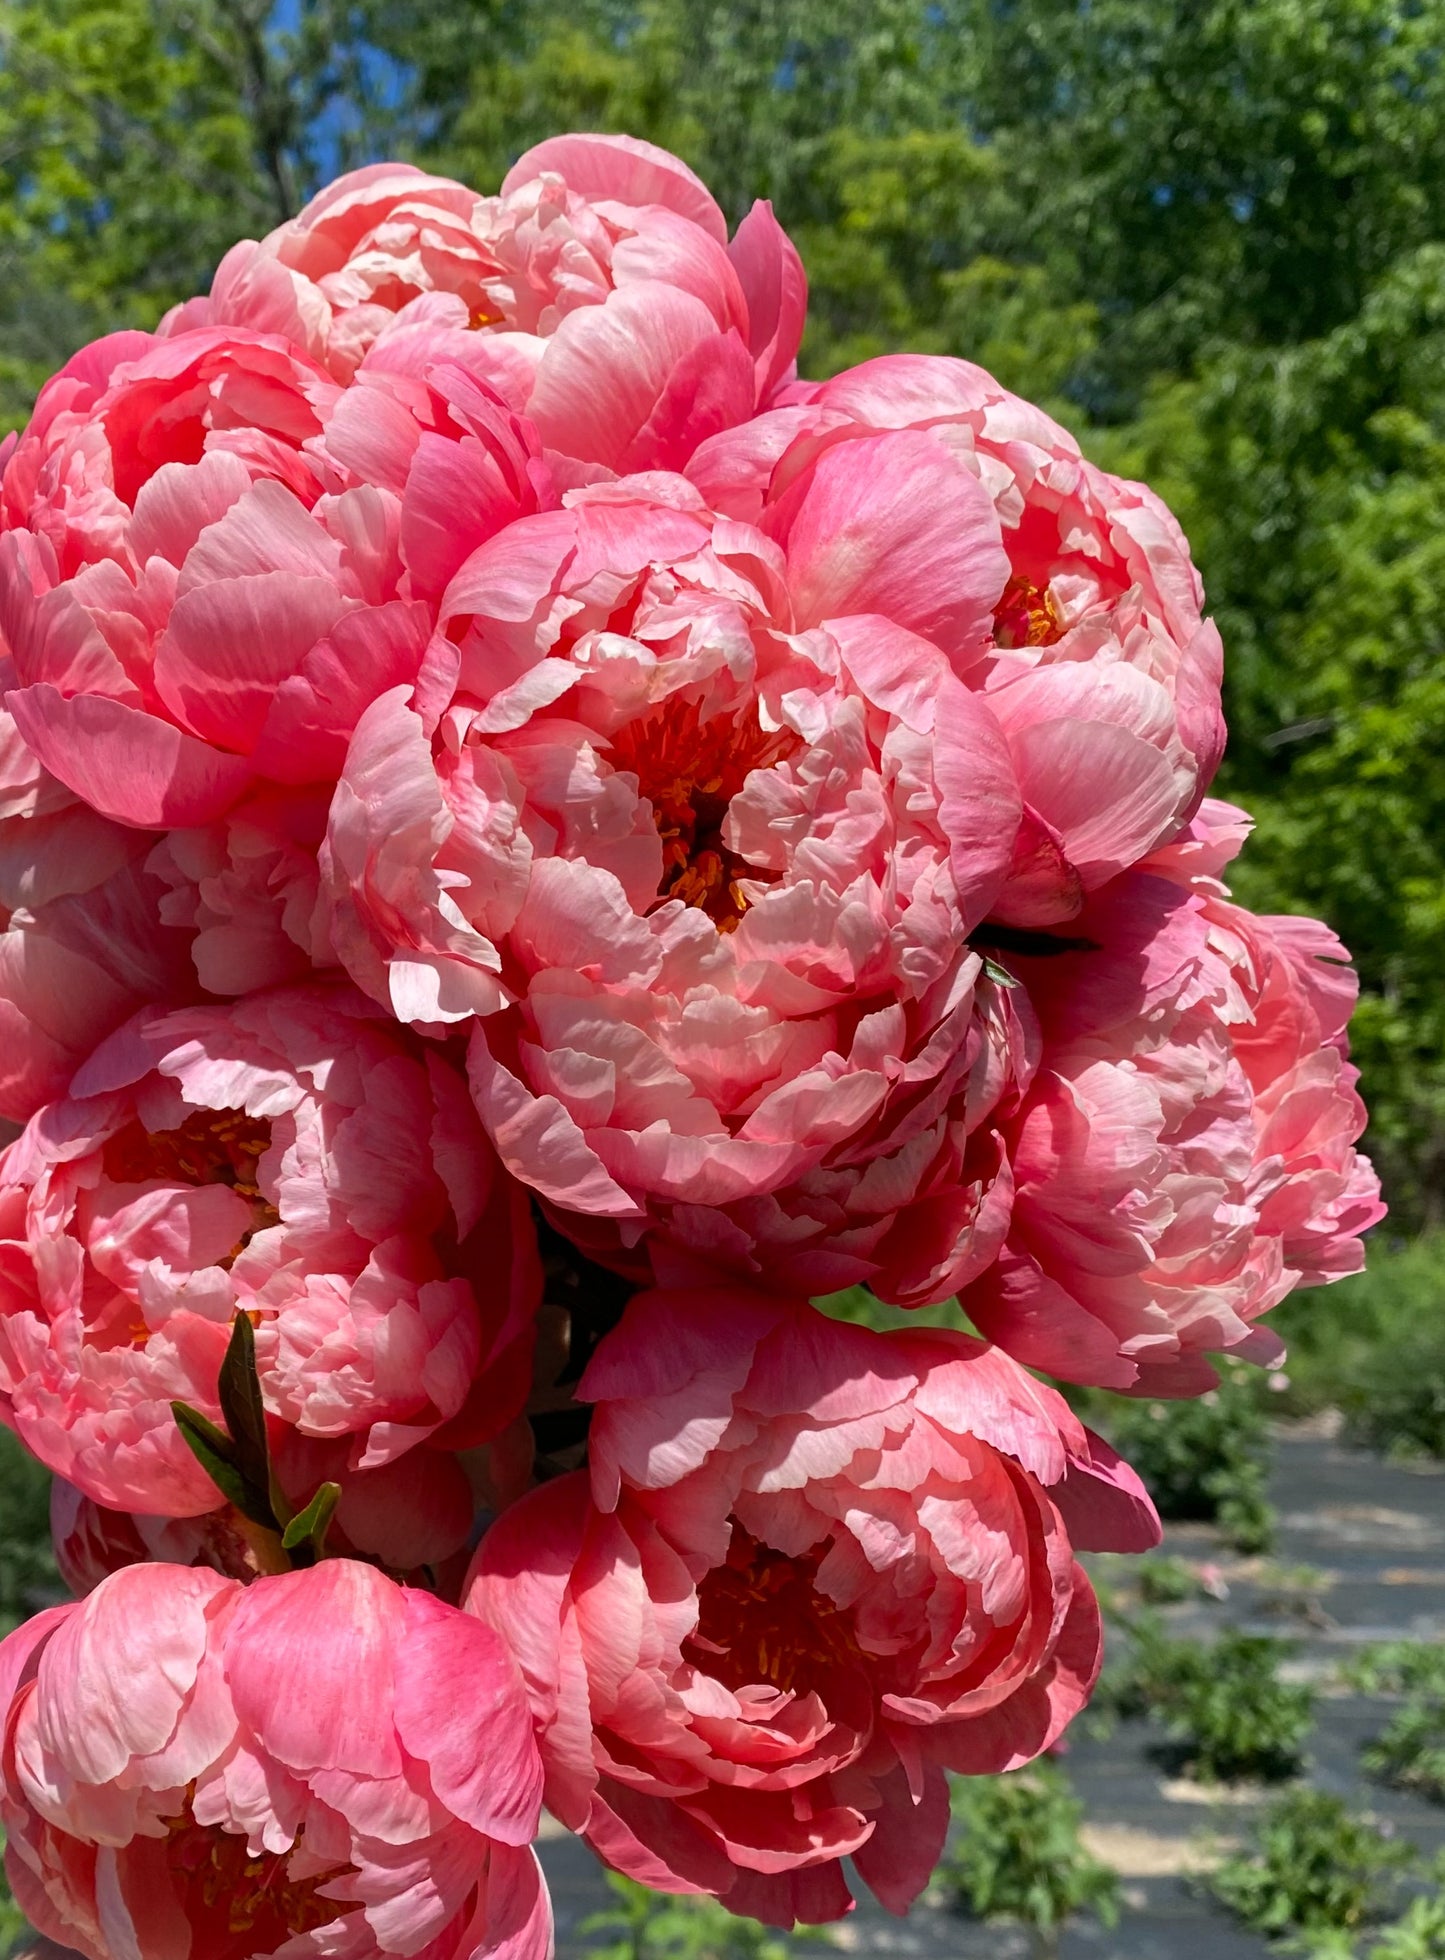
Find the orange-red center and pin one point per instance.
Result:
(1027, 615)
(763, 1618)
(239, 1905)
(689, 770)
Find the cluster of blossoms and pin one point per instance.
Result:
(534, 845)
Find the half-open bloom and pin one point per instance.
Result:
(322, 1763)
(814, 1567)
(600, 281)
(289, 1158)
(1102, 673)
(708, 854)
(197, 595)
(1185, 1156)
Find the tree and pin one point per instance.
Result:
(140, 138)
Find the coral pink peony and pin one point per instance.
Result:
(320, 1764)
(1102, 673)
(288, 1158)
(599, 283)
(80, 944)
(1185, 1156)
(197, 595)
(814, 1568)
(716, 849)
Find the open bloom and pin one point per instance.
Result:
(197, 595)
(288, 1158)
(813, 1568)
(1101, 671)
(321, 1763)
(1185, 1155)
(80, 944)
(702, 826)
(600, 284)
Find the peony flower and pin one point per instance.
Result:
(1185, 1155)
(198, 596)
(80, 945)
(1101, 671)
(702, 827)
(322, 1763)
(814, 1567)
(287, 1158)
(599, 283)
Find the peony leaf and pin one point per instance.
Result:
(309, 1527)
(245, 1413)
(216, 1454)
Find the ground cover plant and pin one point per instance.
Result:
(1410, 1751)
(1311, 1867)
(1017, 1855)
(1229, 1716)
(1397, 1667)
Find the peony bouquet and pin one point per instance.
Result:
(535, 845)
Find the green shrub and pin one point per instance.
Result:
(1018, 1856)
(27, 1568)
(1205, 1459)
(1374, 1347)
(1397, 1667)
(1419, 1935)
(648, 1925)
(1410, 1751)
(1223, 1703)
(1167, 1581)
(1314, 1868)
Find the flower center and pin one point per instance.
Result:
(238, 1905)
(689, 770)
(212, 1146)
(761, 1617)
(1026, 615)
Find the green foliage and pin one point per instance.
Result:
(1222, 1702)
(237, 1458)
(1374, 1347)
(1204, 1459)
(647, 1925)
(1017, 1853)
(27, 1568)
(1396, 1667)
(1313, 1867)
(13, 1924)
(1410, 1751)
(140, 138)
(1419, 1935)
(1166, 1581)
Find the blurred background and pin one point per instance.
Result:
(1208, 235)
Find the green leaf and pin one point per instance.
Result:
(245, 1413)
(1000, 975)
(309, 1527)
(215, 1452)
